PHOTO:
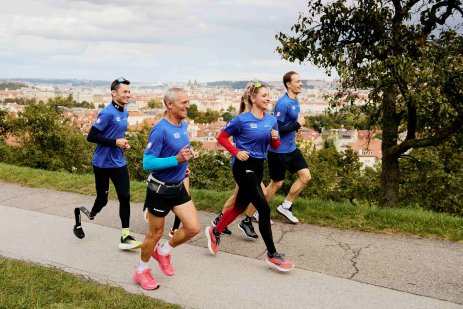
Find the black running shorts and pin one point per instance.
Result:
(160, 205)
(278, 163)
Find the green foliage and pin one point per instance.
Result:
(207, 117)
(20, 101)
(201, 117)
(313, 210)
(134, 156)
(47, 141)
(61, 102)
(193, 112)
(227, 116)
(432, 177)
(211, 171)
(27, 285)
(153, 103)
(405, 53)
(11, 85)
(85, 104)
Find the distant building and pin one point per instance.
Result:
(363, 142)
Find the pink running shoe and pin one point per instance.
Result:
(145, 279)
(278, 261)
(213, 241)
(163, 261)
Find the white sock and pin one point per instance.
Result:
(286, 204)
(165, 249)
(142, 266)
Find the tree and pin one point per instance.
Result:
(227, 116)
(60, 102)
(48, 142)
(193, 112)
(405, 53)
(153, 103)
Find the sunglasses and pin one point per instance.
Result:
(120, 80)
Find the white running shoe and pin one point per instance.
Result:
(288, 214)
(255, 217)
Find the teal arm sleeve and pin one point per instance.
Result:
(152, 163)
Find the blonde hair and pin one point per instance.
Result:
(250, 90)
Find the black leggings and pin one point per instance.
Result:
(248, 175)
(120, 178)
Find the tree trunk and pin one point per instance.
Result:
(390, 175)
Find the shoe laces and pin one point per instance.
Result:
(147, 274)
(217, 238)
(279, 256)
(251, 227)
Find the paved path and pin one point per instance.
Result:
(334, 268)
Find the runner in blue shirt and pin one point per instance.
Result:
(108, 161)
(166, 157)
(288, 156)
(252, 132)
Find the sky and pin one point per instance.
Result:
(148, 40)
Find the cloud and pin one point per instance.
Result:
(158, 40)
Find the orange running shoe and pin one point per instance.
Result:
(213, 240)
(278, 261)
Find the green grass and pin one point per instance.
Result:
(27, 285)
(412, 222)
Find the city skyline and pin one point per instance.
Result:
(148, 41)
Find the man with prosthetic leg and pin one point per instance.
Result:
(109, 163)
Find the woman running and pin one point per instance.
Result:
(252, 132)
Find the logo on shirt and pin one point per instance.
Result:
(118, 118)
(278, 114)
(149, 145)
(98, 120)
(253, 125)
(176, 135)
(293, 107)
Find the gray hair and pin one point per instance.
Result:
(171, 94)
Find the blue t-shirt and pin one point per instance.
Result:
(252, 134)
(286, 111)
(112, 124)
(166, 140)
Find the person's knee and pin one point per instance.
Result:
(124, 197)
(192, 229)
(102, 200)
(154, 233)
(264, 212)
(305, 177)
(277, 184)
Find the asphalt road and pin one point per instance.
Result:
(334, 268)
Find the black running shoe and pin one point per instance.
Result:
(216, 220)
(248, 229)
